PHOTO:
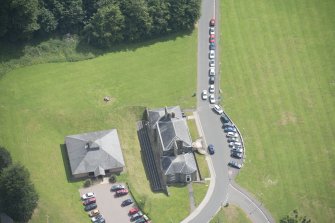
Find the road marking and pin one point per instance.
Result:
(251, 202)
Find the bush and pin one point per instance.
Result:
(87, 183)
(112, 179)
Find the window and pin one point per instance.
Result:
(188, 178)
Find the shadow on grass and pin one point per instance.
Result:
(83, 47)
(66, 163)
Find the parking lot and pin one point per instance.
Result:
(108, 205)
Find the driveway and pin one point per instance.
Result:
(108, 205)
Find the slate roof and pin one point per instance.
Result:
(170, 128)
(183, 163)
(94, 152)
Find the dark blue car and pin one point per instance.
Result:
(126, 202)
(211, 149)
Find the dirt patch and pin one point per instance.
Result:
(287, 118)
(269, 182)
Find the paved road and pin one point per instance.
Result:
(222, 188)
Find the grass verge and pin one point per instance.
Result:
(230, 214)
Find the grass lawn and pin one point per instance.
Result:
(277, 67)
(199, 190)
(231, 214)
(41, 104)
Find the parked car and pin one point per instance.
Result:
(235, 164)
(238, 150)
(94, 213)
(212, 38)
(211, 71)
(89, 201)
(143, 219)
(211, 149)
(233, 139)
(133, 211)
(212, 22)
(235, 147)
(136, 216)
(236, 154)
(212, 98)
(121, 192)
(96, 218)
(228, 125)
(232, 134)
(211, 30)
(126, 202)
(211, 88)
(224, 118)
(212, 63)
(100, 220)
(211, 54)
(218, 109)
(87, 195)
(236, 144)
(117, 187)
(204, 95)
(211, 46)
(226, 130)
(90, 207)
(211, 80)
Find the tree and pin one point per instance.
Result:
(5, 158)
(46, 20)
(18, 194)
(105, 27)
(295, 217)
(137, 19)
(21, 18)
(159, 13)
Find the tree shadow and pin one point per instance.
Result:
(66, 163)
(83, 47)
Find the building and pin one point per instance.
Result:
(172, 145)
(94, 154)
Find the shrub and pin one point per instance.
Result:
(87, 183)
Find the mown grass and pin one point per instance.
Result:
(230, 214)
(279, 86)
(199, 191)
(41, 104)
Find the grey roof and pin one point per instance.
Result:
(183, 163)
(155, 114)
(170, 129)
(94, 152)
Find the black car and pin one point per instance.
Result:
(126, 202)
(227, 125)
(212, 46)
(91, 207)
(211, 79)
(224, 118)
(235, 164)
(227, 129)
(236, 154)
(211, 149)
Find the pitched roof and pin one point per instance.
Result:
(183, 163)
(94, 152)
(171, 128)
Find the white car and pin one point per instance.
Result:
(88, 195)
(232, 134)
(211, 88)
(204, 95)
(218, 109)
(212, 63)
(236, 144)
(212, 71)
(211, 54)
(212, 98)
(211, 31)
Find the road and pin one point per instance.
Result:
(222, 187)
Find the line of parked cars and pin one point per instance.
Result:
(90, 205)
(211, 55)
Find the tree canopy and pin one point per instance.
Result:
(18, 195)
(5, 158)
(99, 22)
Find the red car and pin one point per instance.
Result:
(133, 211)
(121, 192)
(212, 22)
(212, 38)
(89, 201)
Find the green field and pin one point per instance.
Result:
(231, 214)
(41, 104)
(278, 81)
